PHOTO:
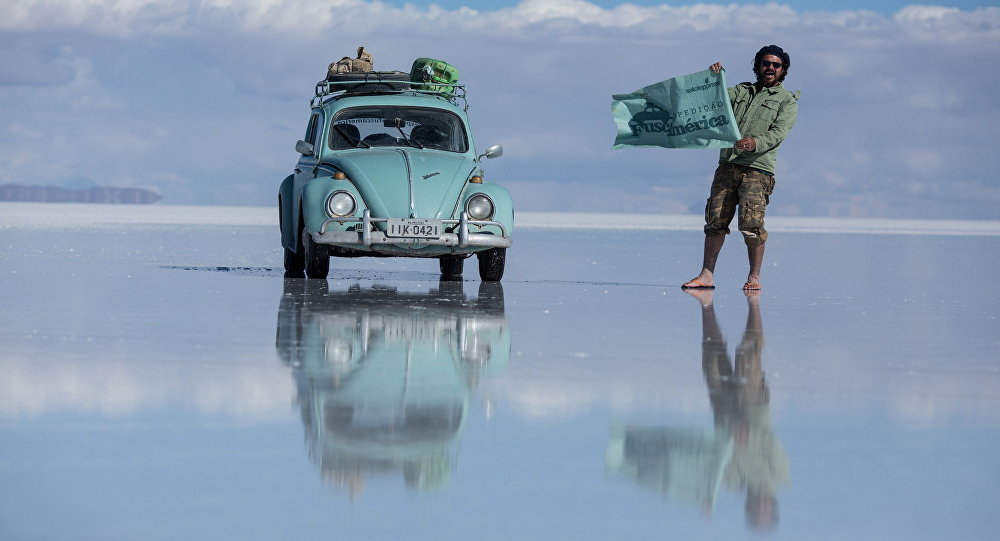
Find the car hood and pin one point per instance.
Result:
(383, 178)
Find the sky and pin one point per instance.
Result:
(885, 7)
(203, 100)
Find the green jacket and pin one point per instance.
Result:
(766, 115)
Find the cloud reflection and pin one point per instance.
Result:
(33, 386)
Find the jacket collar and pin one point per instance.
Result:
(770, 89)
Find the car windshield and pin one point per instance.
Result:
(385, 126)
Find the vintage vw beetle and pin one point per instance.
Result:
(388, 168)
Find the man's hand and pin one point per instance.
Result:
(747, 143)
(717, 67)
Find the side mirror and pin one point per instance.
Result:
(304, 148)
(494, 151)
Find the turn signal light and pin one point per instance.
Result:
(476, 179)
(339, 175)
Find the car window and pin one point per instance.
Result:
(382, 126)
(310, 136)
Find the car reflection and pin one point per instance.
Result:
(383, 378)
(741, 450)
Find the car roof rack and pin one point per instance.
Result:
(370, 83)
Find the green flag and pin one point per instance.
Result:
(692, 111)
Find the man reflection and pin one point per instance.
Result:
(740, 404)
(739, 452)
(383, 377)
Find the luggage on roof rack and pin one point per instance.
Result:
(427, 71)
(428, 76)
(362, 63)
(368, 81)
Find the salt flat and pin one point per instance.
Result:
(43, 216)
(160, 379)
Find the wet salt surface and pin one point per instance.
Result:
(165, 381)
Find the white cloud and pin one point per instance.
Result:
(218, 89)
(925, 160)
(920, 14)
(117, 17)
(129, 17)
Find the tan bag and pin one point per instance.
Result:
(341, 66)
(362, 64)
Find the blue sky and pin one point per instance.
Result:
(202, 100)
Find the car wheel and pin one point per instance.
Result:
(317, 258)
(491, 263)
(451, 267)
(294, 264)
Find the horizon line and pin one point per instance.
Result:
(32, 215)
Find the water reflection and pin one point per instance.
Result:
(384, 377)
(740, 452)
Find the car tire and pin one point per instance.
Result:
(317, 257)
(451, 267)
(294, 264)
(491, 263)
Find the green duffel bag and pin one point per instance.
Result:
(430, 71)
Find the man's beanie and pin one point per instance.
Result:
(776, 51)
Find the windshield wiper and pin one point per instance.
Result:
(340, 129)
(407, 139)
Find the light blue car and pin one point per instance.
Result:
(390, 170)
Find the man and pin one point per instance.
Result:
(765, 111)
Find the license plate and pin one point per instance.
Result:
(420, 229)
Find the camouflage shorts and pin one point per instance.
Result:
(749, 189)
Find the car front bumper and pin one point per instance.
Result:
(368, 238)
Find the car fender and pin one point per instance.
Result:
(286, 214)
(502, 203)
(314, 196)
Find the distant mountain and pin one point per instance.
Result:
(97, 194)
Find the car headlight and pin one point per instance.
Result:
(340, 204)
(479, 207)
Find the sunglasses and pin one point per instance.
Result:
(768, 64)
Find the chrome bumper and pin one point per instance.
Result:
(367, 237)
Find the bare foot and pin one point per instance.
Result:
(702, 281)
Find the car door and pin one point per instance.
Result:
(306, 167)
